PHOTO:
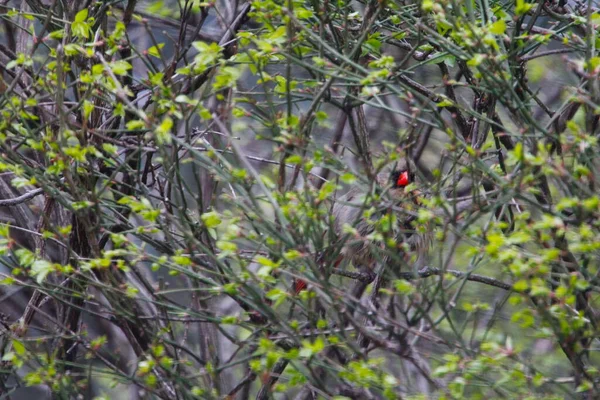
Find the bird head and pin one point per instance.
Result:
(400, 176)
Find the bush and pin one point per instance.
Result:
(196, 199)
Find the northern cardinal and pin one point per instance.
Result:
(349, 209)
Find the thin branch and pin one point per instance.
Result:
(427, 272)
(265, 390)
(545, 53)
(247, 379)
(21, 199)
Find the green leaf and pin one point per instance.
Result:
(303, 13)
(476, 60)
(266, 261)
(522, 7)
(120, 67)
(278, 296)
(110, 148)
(57, 35)
(445, 103)
(584, 387)
(154, 51)
(226, 246)
(135, 124)
(593, 63)
(25, 257)
(427, 5)
(211, 219)
(182, 261)
(348, 178)
(82, 15)
(498, 27)
(163, 131)
(521, 286)
(404, 287)
(18, 347)
(208, 54)
(294, 159)
(40, 269)
(80, 29)
(309, 349)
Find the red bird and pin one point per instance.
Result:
(349, 209)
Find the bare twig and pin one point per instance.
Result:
(427, 272)
(21, 199)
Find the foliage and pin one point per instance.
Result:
(169, 171)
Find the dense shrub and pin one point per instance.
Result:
(174, 172)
